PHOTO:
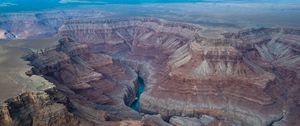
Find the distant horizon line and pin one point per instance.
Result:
(19, 6)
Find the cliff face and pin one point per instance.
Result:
(78, 73)
(5, 118)
(244, 78)
(38, 109)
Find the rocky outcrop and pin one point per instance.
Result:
(87, 78)
(240, 79)
(52, 108)
(154, 120)
(5, 118)
(204, 120)
(38, 109)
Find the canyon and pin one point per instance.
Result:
(150, 71)
(44, 24)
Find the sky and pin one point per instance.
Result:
(39, 5)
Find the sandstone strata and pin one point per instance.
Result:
(202, 121)
(244, 78)
(38, 109)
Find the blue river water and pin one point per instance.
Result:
(141, 87)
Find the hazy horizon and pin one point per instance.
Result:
(40, 5)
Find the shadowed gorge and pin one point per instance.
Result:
(141, 87)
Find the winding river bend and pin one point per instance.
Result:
(141, 87)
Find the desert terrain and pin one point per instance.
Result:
(167, 64)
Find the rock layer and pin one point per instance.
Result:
(240, 78)
(42, 24)
(38, 109)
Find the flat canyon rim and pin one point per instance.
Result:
(13, 79)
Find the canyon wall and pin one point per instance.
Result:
(37, 109)
(187, 74)
(246, 78)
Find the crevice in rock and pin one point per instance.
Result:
(141, 87)
(133, 97)
(275, 121)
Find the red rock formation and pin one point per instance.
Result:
(38, 109)
(247, 78)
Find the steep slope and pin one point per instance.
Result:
(38, 109)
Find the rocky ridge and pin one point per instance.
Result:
(42, 24)
(38, 109)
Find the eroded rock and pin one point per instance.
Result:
(38, 109)
(239, 77)
(154, 120)
(187, 121)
